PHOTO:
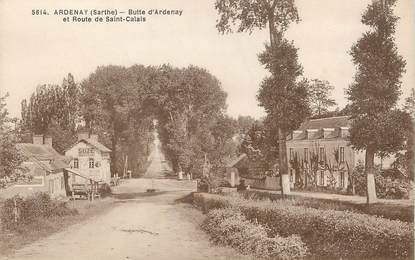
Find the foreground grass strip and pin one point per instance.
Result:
(328, 233)
(389, 211)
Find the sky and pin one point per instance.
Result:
(38, 50)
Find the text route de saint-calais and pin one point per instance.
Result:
(106, 15)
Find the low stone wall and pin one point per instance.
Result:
(266, 183)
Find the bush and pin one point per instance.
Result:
(327, 233)
(229, 227)
(29, 209)
(388, 185)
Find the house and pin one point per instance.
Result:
(90, 160)
(44, 169)
(233, 170)
(251, 172)
(320, 154)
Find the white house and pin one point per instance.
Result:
(90, 159)
(321, 151)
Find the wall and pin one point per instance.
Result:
(55, 184)
(330, 146)
(266, 183)
(101, 172)
(56, 180)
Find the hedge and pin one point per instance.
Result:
(329, 233)
(31, 208)
(390, 211)
(229, 227)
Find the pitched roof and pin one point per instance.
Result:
(37, 153)
(329, 122)
(96, 144)
(237, 160)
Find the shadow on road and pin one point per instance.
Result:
(135, 195)
(187, 199)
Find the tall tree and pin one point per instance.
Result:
(320, 100)
(247, 15)
(53, 110)
(378, 127)
(191, 102)
(105, 110)
(10, 159)
(405, 159)
(284, 97)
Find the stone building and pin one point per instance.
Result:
(43, 167)
(89, 160)
(251, 172)
(319, 153)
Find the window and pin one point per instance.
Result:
(51, 186)
(91, 163)
(62, 183)
(305, 154)
(76, 163)
(291, 154)
(341, 154)
(291, 175)
(321, 156)
(342, 179)
(321, 178)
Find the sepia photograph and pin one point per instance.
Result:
(207, 129)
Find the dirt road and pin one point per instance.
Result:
(139, 226)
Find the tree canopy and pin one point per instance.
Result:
(375, 91)
(378, 127)
(247, 15)
(279, 57)
(53, 110)
(10, 159)
(188, 104)
(283, 95)
(320, 100)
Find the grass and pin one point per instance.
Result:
(390, 211)
(11, 241)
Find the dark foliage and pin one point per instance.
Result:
(29, 209)
(327, 233)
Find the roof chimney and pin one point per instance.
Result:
(94, 137)
(83, 135)
(38, 139)
(296, 134)
(48, 140)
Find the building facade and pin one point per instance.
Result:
(43, 168)
(319, 154)
(89, 160)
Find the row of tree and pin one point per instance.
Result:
(378, 127)
(122, 104)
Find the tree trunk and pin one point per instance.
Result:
(113, 165)
(114, 140)
(283, 164)
(370, 175)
